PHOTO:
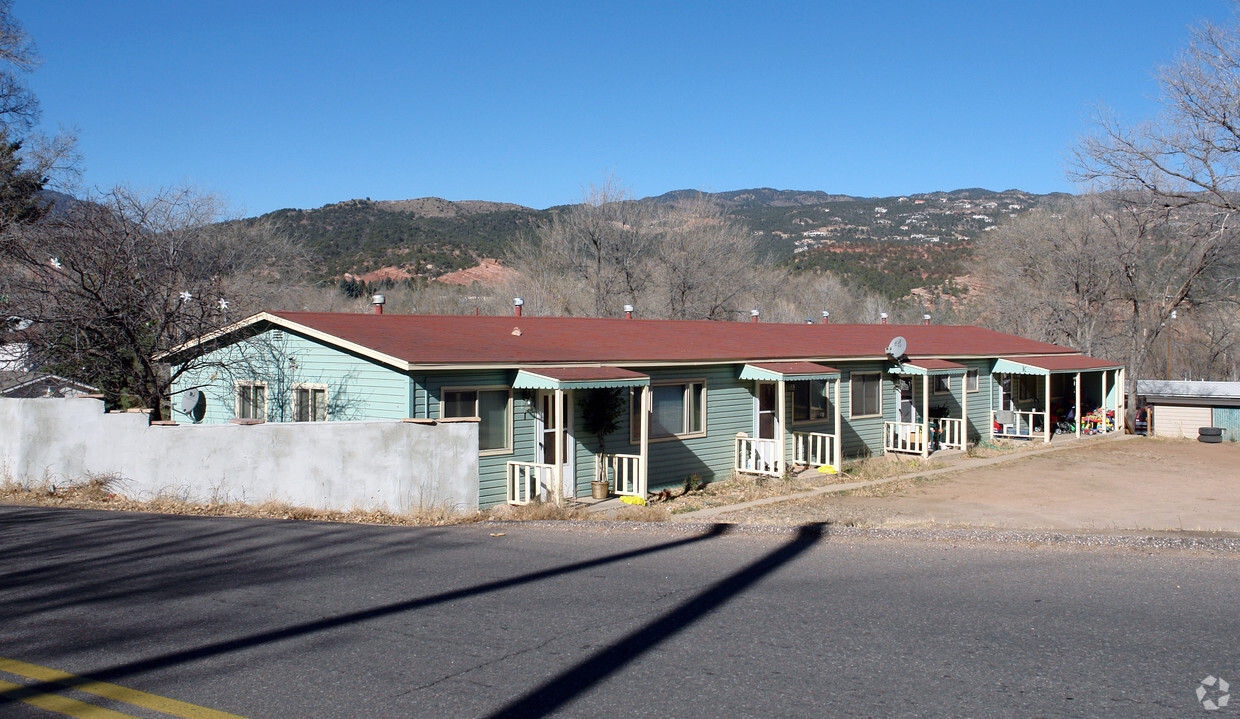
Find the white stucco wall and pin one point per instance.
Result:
(389, 465)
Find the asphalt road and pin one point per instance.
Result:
(285, 619)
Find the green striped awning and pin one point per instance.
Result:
(788, 371)
(578, 378)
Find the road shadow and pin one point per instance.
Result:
(304, 629)
(583, 676)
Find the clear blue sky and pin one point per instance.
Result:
(300, 104)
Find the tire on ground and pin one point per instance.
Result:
(1210, 439)
(1210, 431)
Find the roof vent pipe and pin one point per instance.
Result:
(883, 316)
(826, 317)
(926, 318)
(753, 315)
(628, 312)
(378, 301)
(516, 306)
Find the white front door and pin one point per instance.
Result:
(766, 424)
(908, 411)
(546, 436)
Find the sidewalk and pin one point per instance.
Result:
(957, 463)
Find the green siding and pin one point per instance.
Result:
(1229, 419)
(358, 388)
(492, 468)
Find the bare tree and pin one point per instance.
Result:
(706, 262)
(112, 283)
(591, 257)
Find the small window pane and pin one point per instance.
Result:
(493, 413)
(971, 380)
(460, 404)
(697, 407)
(318, 405)
(302, 411)
(866, 394)
(667, 415)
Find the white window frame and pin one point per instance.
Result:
(851, 394)
(635, 417)
(934, 387)
(237, 397)
(973, 377)
(508, 422)
(308, 386)
(826, 417)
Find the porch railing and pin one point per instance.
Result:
(813, 448)
(950, 433)
(757, 456)
(623, 470)
(903, 437)
(528, 481)
(1017, 423)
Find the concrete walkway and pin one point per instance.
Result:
(958, 463)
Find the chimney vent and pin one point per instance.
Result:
(926, 318)
(628, 312)
(378, 301)
(753, 315)
(826, 317)
(517, 302)
(883, 316)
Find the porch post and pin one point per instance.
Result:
(964, 409)
(925, 416)
(780, 401)
(839, 435)
(1121, 400)
(990, 398)
(1046, 423)
(1078, 404)
(643, 471)
(558, 473)
(1104, 398)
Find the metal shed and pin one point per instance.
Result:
(1180, 408)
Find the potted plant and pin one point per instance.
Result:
(601, 410)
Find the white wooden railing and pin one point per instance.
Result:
(757, 456)
(623, 470)
(1022, 423)
(951, 433)
(903, 437)
(528, 481)
(814, 449)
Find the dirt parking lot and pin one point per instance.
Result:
(1137, 484)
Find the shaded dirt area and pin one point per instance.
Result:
(1145, 484)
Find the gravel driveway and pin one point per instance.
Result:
(1141, 484)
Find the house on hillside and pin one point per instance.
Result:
(692, 397)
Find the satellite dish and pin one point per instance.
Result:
(194, 404)
(189, 398)
(897, 347)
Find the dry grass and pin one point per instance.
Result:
(535, 512)
(633, 513)
(1000, 447)
(101, 492)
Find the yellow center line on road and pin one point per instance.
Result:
(59, 704)
(135, 697)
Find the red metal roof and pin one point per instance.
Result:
(451, 340)
(1060, 364)
(795, 367)
(587, 374)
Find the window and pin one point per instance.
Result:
(866, 394)
(942, 384)
(970, 380)
(809, 401)
(309, 403)
(1026, 387)
(493, 408)
(251, 401)
(676, 410)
